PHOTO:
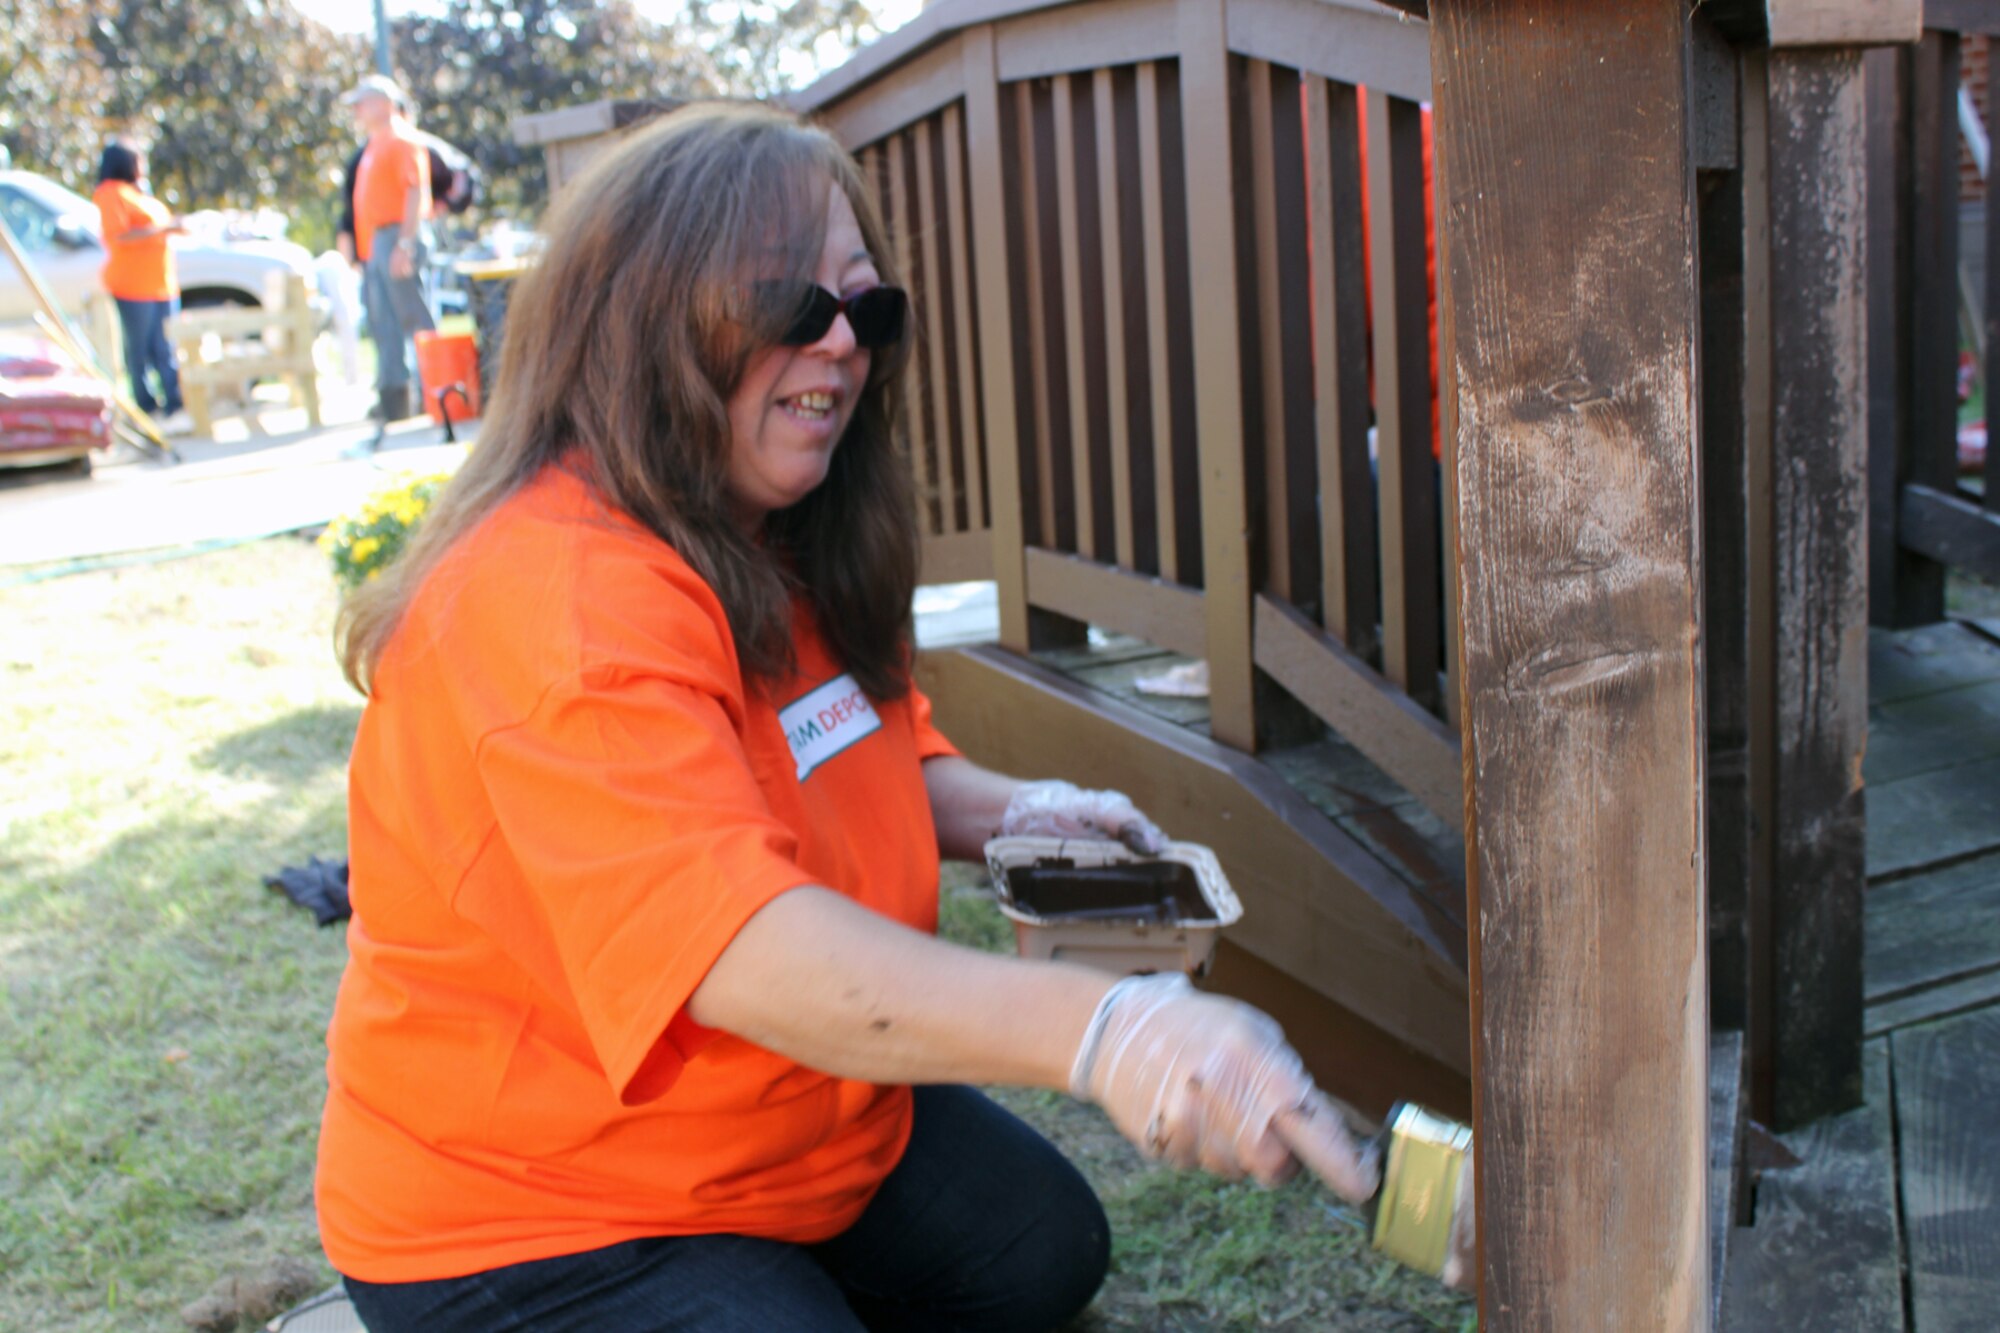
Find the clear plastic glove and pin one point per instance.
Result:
(1056, 809)
(1200, 1080)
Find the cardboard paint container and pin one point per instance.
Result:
(1101, 904)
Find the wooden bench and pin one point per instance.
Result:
(229, 347)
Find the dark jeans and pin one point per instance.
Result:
(147, 348)
(983, 1225)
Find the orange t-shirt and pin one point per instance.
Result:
(564, 803)
(135, 270)
(392, 162)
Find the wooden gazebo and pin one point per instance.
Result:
(1534, 741)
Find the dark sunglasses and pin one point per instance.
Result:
(807, 310)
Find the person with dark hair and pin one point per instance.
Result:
(645, 1024)
(139, 275)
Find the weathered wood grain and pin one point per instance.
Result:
(1947, 1086)
(1923, 661)
(1933, 818)
(1931, 731)
(1214, 231)
(1933, 928)
(1924, 1006)
(1822, 1254)
(1819, 460)
(1569, 309)
(1726, 1109)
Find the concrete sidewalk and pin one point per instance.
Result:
(266, 473)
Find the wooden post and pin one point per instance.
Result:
(1212, 203)
(1569, 310)
(1819, 488)
(984, 150)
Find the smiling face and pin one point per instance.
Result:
(793, 404)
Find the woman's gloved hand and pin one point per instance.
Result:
(1201, 1080)
(1056, 809)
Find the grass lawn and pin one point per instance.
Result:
(170, 733)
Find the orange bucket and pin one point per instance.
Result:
(448, 365)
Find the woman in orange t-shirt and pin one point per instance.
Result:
(645, 1023)
(139, 275)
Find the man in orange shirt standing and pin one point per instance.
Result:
(391, 193)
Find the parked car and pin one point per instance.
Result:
(59, 229)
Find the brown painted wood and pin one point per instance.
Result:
(1159, 402)
(1367, 47)
(1411, 650)
(1291, 510)
(1271, 533)
(1185, 442)
(1819, 463)
(1208, 128)
(904, 223)
(1965, 16)
(1100, 594)
(1823, 1250)
(1947, 1085)
(1111, 265)
(1573, 329)
(913, 92)
(1040, 138)
(1349, 605)
(1951, 530)
(966, 380)
(1081, 38)
(1409, 744)
(1316, 906)
(1001, 416)
(957, 557)
(935, 326)
(1081, 268)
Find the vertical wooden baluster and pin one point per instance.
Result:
(985, 148)
(902, 225)
(1152, 209)
(970, 388)
(1340, 367)
(1410, 631)
(1118, 431)
(1207, 127)
(937, 375)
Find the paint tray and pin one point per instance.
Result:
(1101, 904)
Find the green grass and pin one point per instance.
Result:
(170, 733)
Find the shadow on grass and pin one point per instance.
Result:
(285, 749)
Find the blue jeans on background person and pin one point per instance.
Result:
(982, 1225)
(396, 309)
(147, 349)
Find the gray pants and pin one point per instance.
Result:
(396, 309)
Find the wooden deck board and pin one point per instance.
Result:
(1931, 731)
(1909, 663)
(1954, 997)
(1934, 818)
(1934, 928)
(1947, 1086)
(1822, 1253)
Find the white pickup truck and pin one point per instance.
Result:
(59, 230)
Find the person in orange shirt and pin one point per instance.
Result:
(139, 275)
(645, 1024)
(391, 197)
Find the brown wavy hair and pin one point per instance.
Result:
(624, 342)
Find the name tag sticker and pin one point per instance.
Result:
(826, 721)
